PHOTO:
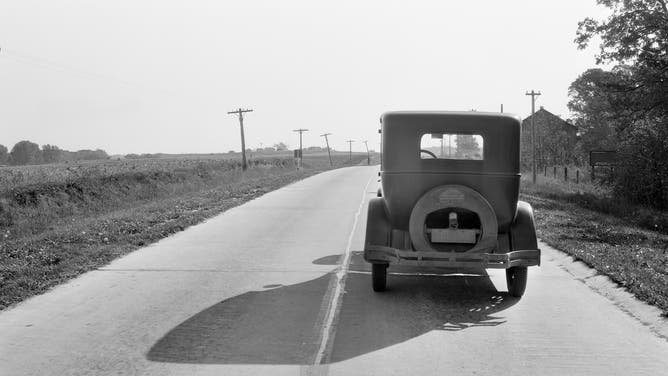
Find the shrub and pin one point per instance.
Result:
(642, 175)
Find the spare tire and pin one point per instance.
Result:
(453, 196)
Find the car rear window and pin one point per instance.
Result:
(451, 146)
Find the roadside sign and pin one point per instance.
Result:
(602, 157)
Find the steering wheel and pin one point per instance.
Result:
(428, 152)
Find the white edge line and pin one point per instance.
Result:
(424, 274)
(335, 302)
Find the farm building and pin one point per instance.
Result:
(555, 140)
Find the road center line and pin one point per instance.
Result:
(334, 305)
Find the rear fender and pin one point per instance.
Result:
(378, 226)
(523, 229)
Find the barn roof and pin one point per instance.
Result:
(543, 114)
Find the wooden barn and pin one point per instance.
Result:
(556, 140)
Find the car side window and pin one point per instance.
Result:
(451, 146)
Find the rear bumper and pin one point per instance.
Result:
(380, 254)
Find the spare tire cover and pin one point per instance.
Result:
(453, 196)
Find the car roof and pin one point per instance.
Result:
(402, 131)
(448, 114)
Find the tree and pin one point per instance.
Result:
(633, 97)
(635, 36)
(467, 147)
(90, 155)
(281, 146)
(25, 152)
(636, 29)
(598, 108)
(51, 153)
(4, 155)
(642, 177)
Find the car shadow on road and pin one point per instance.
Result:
(281, 325)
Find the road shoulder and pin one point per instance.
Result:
(648, 315)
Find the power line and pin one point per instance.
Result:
(44, 63)
(300, 130)
(81, 73)
(241, 112)
(328, 153)
(533, 95)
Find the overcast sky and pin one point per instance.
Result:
(136, 76)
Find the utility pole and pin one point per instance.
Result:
(240, 112)
(368, 156)
(350, 151)
(533, 95)
(449, 146)
(328, 153)
(300, 130)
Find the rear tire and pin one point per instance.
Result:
(516, 278)
(379, 277)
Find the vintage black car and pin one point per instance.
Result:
(449, 197)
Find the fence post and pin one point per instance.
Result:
(565, 173)
(577, 176)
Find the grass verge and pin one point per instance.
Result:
(587, 225)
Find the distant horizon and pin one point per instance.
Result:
(9, 147)
(255, 150)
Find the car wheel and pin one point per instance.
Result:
(516, 278)
(379, 276)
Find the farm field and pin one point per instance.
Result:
(58, 221)
(12, 177)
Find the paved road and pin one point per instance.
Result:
(277, 286)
